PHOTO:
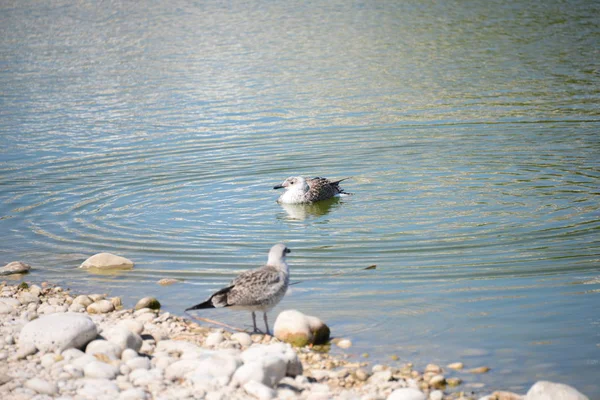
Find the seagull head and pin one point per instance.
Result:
(277, 254)
(295, 183)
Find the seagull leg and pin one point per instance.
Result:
(266, 323)
(254, 322)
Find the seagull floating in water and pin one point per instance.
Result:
(300, 190)
(255, 290)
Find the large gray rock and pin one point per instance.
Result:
(544, 390)
(15, 267)
(107, 261)
(57, 332)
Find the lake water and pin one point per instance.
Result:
(470, 131)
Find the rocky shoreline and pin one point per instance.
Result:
(55, 344)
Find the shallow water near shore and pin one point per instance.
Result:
(470, 134)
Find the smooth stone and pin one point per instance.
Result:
(100, 370)
(138, 363)
(242, 338)
(142, 377)
(344, 343)
(298, 329)
(97, 388)
(41, 386)
(128, 354)
(57, 332)
(260, 391)
(133, 394)
(251, 371)
(71, 354)
(76, 307)
(380, 377)
(282, 350)
(436, 395)
(220, 366)
(123, 338)
(100, 307)
(456, 366)
(132, 325)
(112, 350)
(10, 301)
(50, 359)
(84, 360)
(407, 394)
(544, 390)
(116, 302)
(168, 281)
(479, 370)
(107, 261)
(97, 297)
(15, 267)
(7, 309)
(361, 374)
(148, 302)
(214, 339)
(437, 381)
(434, 368)
(26, 298)
(35, 290)
(83, 300)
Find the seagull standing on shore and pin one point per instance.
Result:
(300, 190)
(255, 290)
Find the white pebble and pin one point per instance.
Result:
(214, 339)
(133, 394)
(436, 395)
(41, 386)
(344, 344)
(138, 363)
(128, 354)
(97, 369)
(9, 339)
(242, 338)
(71, 354)
(258, 390)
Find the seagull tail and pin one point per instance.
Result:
(217, 300)
(336, 186)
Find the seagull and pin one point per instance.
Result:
(255, 290)
(300, 190)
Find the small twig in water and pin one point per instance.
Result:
(370, 267)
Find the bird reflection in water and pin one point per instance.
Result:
(301, 212)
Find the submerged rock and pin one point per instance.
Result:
(168, 281)
(148, 302)
(15, 267)
(107, 261)
(299, 329)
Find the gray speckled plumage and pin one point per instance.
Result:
(255, 290)
(308, 190)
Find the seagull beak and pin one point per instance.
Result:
(278, 187)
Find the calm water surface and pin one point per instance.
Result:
(470, 132)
